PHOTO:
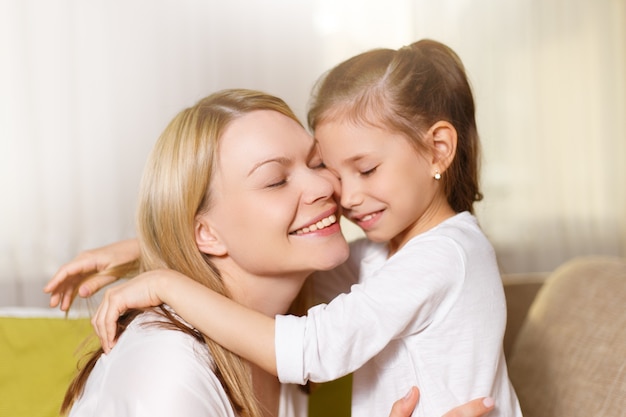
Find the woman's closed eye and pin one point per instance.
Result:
(277, 182)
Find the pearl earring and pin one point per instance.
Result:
(437, 175)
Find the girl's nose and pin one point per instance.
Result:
(350, 195)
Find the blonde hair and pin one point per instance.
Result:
(174, 190)
(407, 91)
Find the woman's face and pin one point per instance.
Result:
(273, 202)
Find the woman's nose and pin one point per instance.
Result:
(321, 185)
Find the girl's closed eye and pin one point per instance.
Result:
(368, 172)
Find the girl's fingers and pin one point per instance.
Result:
(110, 326)
(76, 268)
(105, 319)
(94, 284)
(54, 299)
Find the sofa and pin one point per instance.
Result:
(566, 339)
(565, 345)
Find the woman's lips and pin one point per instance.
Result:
(319, 225)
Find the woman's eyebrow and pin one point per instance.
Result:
(280, 160)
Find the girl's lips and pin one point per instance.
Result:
(368, 220)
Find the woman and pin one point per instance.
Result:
(235, 196)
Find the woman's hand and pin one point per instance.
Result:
(139, 292)
(81, 275)
(476, 408)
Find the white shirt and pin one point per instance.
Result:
(431, 315)
(158, 372)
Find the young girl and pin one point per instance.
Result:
(427, 308)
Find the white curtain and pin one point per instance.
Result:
(550, 84)
(86, 86)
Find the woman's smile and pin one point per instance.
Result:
(318, 225)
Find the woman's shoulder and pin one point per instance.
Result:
(163, 368)
(152, 337)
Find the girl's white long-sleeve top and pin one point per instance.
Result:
(431, 315)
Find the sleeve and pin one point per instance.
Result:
(413, 288)
(164, 373)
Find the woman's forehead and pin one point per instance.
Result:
(263, 134)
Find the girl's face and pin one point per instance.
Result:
(387, 186)
(274, 208)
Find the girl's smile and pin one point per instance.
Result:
(366, 221)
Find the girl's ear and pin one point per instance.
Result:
(207, 238)
(444, 140)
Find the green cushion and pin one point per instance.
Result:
(38, 359)
(331, 399)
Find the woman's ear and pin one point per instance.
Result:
(444, 141)
(207, 238)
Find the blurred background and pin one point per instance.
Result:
(86, 87)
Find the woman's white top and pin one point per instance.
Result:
(431, 315)
(158, 372)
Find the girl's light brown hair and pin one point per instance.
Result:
(407, 91)
(174, 189)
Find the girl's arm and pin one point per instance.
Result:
(244, 331)
(399, 299)
(81, 275)
(253, 340)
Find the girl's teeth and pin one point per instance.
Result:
(366, 218)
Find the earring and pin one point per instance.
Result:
(437, 175)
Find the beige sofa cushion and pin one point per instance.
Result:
(569, 358)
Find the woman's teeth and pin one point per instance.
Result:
(325, 222)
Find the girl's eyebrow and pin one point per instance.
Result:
(356, 158)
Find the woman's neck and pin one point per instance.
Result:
(268, 295)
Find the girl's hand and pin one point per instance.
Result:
(476, 408)
(82, 274)
(140, 292)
